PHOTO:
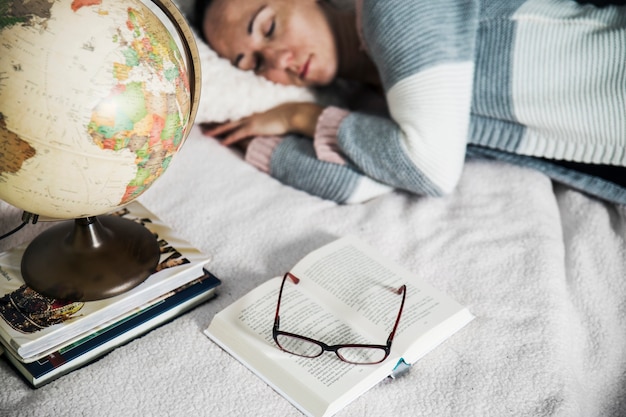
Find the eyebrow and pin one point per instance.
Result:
(250, 27)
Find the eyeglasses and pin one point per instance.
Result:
(358, 354)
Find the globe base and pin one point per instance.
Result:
(90, 258)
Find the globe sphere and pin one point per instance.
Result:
(96, 98)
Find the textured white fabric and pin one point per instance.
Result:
(542, 269)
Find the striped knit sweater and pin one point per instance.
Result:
(524, 81)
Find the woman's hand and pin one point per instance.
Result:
(286, 118)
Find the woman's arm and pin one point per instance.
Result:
(300, 118)
(291, 159)
(424, 53)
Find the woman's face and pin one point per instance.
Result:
(286, 41)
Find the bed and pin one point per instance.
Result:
(541, 266)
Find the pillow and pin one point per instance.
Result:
(229, 93)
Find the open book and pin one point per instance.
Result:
(343, 297)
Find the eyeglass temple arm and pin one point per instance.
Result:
(402, 290)
(295, 280)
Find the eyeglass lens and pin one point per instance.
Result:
(298, 346)
(309, 349)
(362, 355)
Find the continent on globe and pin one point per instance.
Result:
(77, 4)
(143, 112)
(22, 12)
(15, 149)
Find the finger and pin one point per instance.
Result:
(242, 132)
(236, 137)
(207, 128)
(221, 129)
(218, 130)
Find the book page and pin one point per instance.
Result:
(363, 285)
(302, 315)
(353, 279)
(245, 330)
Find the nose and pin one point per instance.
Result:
(278, 58)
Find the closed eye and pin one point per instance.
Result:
(270, 30)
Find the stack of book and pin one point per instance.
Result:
(45, 338)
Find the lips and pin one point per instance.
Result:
(305, 69)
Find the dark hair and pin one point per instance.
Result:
(197, 18)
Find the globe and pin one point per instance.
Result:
(96, 98)
(94, 103)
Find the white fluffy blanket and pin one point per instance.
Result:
(542, 268)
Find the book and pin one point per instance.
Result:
(89, 332)
(97, 344)
(31, 324)
(342, 296)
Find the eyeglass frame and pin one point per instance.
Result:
(334, 348)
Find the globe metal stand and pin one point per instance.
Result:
(90, 258)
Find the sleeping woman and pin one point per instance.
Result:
(537, 83)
